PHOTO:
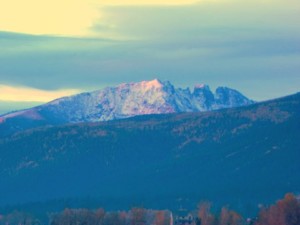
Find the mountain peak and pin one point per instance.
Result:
(156, 83)
(146, 84)
(201, 86)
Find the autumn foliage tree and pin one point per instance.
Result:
(18, 218)
(229, 217)
(114, 218)
(162, 218)
(138, 216)
(205, 214)
(99, 216)
(226, 216)
(79, 217)
(284, 212)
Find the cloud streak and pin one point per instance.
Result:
(25, 94)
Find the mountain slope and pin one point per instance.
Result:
(123, 101)
(231, 156)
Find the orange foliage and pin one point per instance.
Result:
(229, 217)
(138, 216)
(161, 218)
(285, 212)
(204, 213)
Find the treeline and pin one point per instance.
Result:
(284, 212)
(136, 216)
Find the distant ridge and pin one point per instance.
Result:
(123, 101)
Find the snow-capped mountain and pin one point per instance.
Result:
(127, 100)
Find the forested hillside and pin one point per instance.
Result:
(242, 156)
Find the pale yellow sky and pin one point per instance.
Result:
(61, 17)
(25, 94)
(219, 42)
(57, 18)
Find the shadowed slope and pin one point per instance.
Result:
(241, 155)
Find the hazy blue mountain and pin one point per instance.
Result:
(240, 156)
(123, 101)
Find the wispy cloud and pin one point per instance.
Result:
(25, 94)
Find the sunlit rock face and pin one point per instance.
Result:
(126, 100)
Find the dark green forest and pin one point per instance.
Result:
(229, 156)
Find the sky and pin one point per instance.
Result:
(54, 48)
